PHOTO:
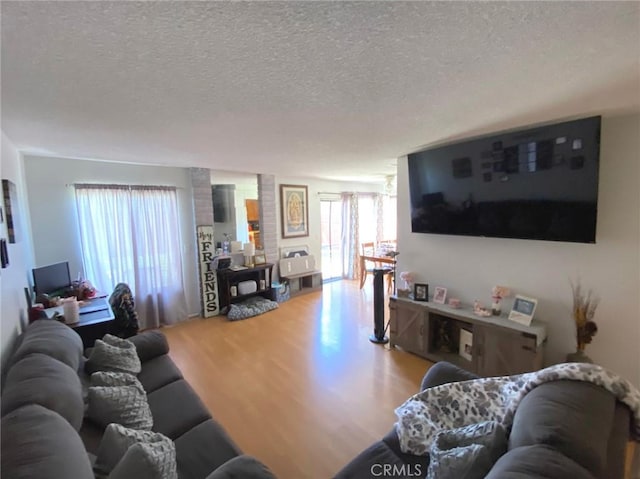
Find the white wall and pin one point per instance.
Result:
(14, 278)
(315, 186)
(54, 217)
(469, 267)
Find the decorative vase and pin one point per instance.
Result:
(578, 357)
(496, 308)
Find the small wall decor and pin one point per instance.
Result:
(4, 253)
(294, 206)
(523, 310)
(10, 205)
(439, 295)
(421, 292)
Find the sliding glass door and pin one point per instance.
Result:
(331, 230)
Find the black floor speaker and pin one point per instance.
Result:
(378, 336)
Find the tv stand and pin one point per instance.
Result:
(433, 331)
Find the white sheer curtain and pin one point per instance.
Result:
(131, 235)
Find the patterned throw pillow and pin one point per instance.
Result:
(113, 354)
(126, 405)
(148, 461)
(118, 440)
(468, 451)
(111, 378)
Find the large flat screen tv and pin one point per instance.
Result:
(539, 183)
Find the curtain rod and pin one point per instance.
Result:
(113, 186)
(348, 193)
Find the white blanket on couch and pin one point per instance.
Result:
(459, 404)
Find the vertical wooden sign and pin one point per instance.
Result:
(208, 278)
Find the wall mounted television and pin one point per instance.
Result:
(539, 183)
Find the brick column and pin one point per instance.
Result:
(268, 222)
(203, 216)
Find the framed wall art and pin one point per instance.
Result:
(294, 204)
(10, 197)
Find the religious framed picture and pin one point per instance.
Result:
(294, 204)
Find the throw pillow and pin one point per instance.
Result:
(468, 451)
(148, 461)
(117, 440)
(113, 354)
(111, 378)
(126, 405)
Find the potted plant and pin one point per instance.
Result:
(584, 309)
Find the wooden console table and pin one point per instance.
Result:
(229, 278)
(499, 346)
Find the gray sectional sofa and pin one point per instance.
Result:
(45, 434)
(562, 429)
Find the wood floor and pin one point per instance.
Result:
(301, 388)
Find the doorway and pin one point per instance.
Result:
(331, 233)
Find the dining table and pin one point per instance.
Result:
(379, 259)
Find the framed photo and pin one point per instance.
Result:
(439, 295)
(259, 258)
(421, 292)
(294, 204)
(465, 347)
(523, 310)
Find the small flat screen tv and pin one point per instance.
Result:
(539, 183)
(52, 278)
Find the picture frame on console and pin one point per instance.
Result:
(259, 258)
(440, 295)
(294, 205)
(421, 292)
(523, 310)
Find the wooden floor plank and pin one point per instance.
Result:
(301, 388)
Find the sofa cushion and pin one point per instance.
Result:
(126, 405)
(41, 379)
(118, 439)
(37, 442)
(444, 373)
(150, 344)
(572, 416)
(50, 337)
(372, 461)
(158, 372)
(203, 449)
(242, 467)
(176, 408)
(113, 356)
(536, 462)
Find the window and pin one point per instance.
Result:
(131, 235)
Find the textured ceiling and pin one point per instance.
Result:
(320, 89)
